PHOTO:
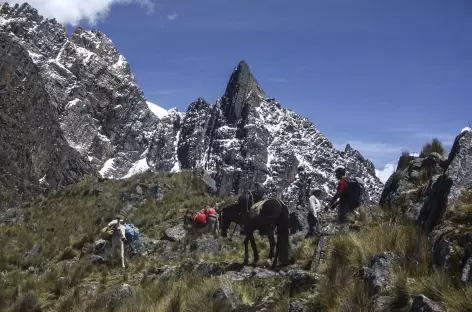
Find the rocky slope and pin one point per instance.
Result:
(242, 139)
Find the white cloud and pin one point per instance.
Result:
(74, 11)
(172, 16)
(386, 172)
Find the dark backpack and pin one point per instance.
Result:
(355, 191)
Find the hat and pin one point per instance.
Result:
(340, 169)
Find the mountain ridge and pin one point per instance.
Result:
(243, 138)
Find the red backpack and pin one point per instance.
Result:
(208, 211)
(199, 218)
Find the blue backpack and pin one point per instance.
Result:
(131, 232)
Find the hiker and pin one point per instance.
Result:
(341, 194)
(117, 239)
(313, 211)
(350, 193)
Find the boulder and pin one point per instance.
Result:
(301, 281)
(32, 253)
(435, 203)
(378, 274)
(208, 269)
(424, 304)
(119, 294)
(296, 305)
(163, 273)
(206, 245)
(176, 233)
(96, 259)
(225, 299)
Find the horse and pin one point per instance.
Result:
(272, 213)
(212, 224)
(117, 241)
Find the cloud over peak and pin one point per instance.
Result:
(74, 11)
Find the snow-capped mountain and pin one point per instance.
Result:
(243, 138)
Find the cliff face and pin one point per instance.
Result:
(34, 156)
(102, 111)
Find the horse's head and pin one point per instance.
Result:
(227, 215)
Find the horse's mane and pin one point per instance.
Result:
(234, 207)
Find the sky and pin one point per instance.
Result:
(382, 75)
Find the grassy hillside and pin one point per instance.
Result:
(65, 224)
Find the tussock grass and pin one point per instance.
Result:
(461, 212)
(193, 293)
(342, 289)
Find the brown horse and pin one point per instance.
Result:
(271, 214)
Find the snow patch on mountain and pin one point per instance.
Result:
(466, 129)
(138, 167)
(157, 110)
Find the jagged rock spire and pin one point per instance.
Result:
(242, 90)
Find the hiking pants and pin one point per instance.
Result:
(312, 223)
(343, 210)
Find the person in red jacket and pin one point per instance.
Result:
(341, 194)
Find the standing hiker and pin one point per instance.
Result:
(348, 194)
(313, 211)
(117, 239)
(341, 194)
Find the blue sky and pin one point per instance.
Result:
(384, 75)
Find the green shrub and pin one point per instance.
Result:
(434, 146)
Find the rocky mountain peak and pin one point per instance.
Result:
(241, 139)
(242, 93)
(97, 42)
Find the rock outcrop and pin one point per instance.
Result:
(437, 193)
(424, 187)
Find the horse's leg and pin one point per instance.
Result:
(246, 252)
(274, 261)
(271, 238)
(254, 248)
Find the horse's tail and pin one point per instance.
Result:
(283, 241)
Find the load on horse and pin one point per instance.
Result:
(255, 213)
(206, 218)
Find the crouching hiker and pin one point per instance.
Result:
(116, 236)
(313, 213)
